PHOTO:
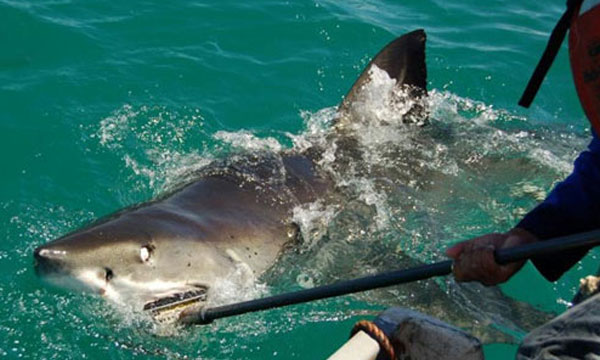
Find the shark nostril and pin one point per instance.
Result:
(41, 253)
(38, 258)
(108, 274)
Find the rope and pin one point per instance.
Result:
(378, 335)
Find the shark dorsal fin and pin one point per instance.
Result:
(402, 59)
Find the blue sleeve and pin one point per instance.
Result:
(572, 207)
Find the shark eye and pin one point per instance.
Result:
(145, 253)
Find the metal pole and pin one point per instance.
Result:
(503, 256)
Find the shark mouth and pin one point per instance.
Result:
(167, 309)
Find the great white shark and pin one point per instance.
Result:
(234, 215)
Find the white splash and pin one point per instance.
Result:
(313, 220)
(114, 126)
(154, 143)
(381, 102)
(245, 140)
(236, 287)
(549, 159)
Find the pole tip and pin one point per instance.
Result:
(194, 317)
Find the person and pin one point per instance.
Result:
(573, 206)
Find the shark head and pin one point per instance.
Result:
(127, 263)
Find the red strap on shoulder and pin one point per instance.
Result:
(584, 53)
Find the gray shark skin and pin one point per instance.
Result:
(189, 239)
(234, 216)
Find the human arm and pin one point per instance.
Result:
(573, 206)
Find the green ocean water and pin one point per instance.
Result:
(106, 104)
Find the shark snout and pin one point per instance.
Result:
(49, 260)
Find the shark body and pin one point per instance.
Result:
(235, 216)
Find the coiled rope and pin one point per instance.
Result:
(385, 346)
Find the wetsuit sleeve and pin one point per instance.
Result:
(572, 207)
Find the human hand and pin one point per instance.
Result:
(474, 259)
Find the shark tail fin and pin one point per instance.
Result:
(403, 60)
